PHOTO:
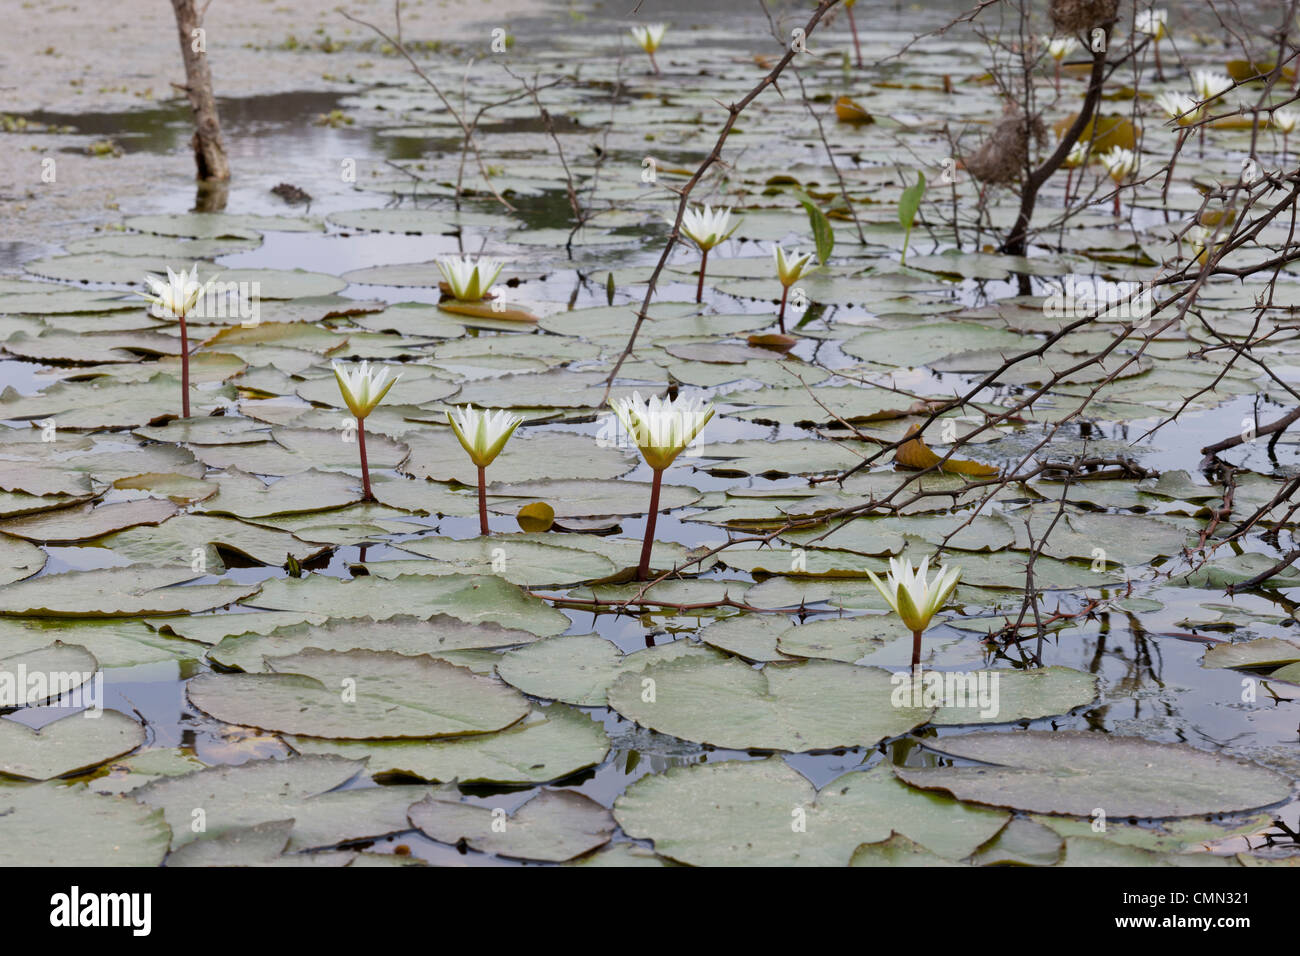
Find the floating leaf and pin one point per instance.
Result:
(1074, 772)
(301, 789)
(384, 695)
(554, 826)
(53, 824)
(916, 454)
(741, 813)
(549, 744)
(70, 744)
(536, 517)
(809, 705)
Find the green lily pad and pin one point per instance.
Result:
(440, 636)
(360, 695)
(1019, 695)
(809, 705)
(549, 744)
(472, 599)
(18, 559)
(527, 563)
(554, 826)
(764, 813)
(898, 850)
(301, 789)
(577, 669)
(68, 745)
(1076, 772)
(69, 525)
(527, 458)
(53, 824)
(1262, 652)
(118, 592)
(1092, 851)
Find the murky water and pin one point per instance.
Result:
(1166, 694)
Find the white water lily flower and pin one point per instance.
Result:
(1061, 47)
(1077, 156)
(1179, 106)
(790, 266)
(1209, 84)
(662, 428)
(1285, 120)
(912, 597)
(1152, 22)
(470, 280)
(1121, 163)
(1200, 237)
(482, 433)
(176, 297)
(650, 36)
(707, 227)
(362, 389)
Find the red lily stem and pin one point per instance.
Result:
(1069, 181)
(1058, 77)
(185, 370)
(365, 467)
(482, 501)
(699, 289)
(1117, 201)
(1160, 70)
(652, 62)
(643, 570)
(857, 47)
(785, 294)
(916, 648)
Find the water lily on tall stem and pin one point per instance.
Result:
(1179, 106)
(790, 267)
(914, 598)
(482, 434)
(363, 390)
(649, 37)
(1121, 164)
(176, 299)
(469, 280)
(706, 227)
(1284, 121)
(1154, 23)
(1058, 48)
(1076, 157)
(1210, 85)
(661, 429)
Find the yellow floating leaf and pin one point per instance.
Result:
(484, 310)
(1244, 70)
(847, 111)
(1112, 130)
(916, 454)
(536, 517)
(773, 340)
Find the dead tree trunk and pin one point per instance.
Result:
(209, 150)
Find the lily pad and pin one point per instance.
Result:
(554, 826)
(68, 745)
(764, 813)
(809, 705)
(360, 695)
(471, 599)
(53, 824)
(440, 636)
(301, 789)
(578, 669)
(1075, 772)
(549, 744)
